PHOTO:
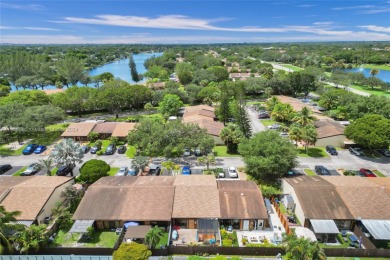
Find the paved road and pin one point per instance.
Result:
(256, 125)
(356, 91)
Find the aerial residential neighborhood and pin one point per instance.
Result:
(217, 130)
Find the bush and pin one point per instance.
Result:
(99, 152)
(227, 243)
(93, 170)
(132, 251)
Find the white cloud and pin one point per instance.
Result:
(375, 11)
(366, 9)
(188, 23)
(306, 5)
(177, 39)
(28, 28)
(376, 28)
(353, 7)
(30, 7)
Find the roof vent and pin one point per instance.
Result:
(242, 194)
(225, 192)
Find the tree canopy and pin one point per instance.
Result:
(93, 170)
(267, 155)
(132, 251)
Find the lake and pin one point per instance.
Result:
(120, 68)
(383, 74)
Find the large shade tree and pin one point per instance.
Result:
(267, 155)
(68, 152)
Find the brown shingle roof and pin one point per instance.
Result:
(241, 200)
(137, 231)
(328, 128)
(319, 198)
(199, 107)
(105, 127)
(212, 127)
(28, 194)
(364, 198)
(207, 114)
(298, 105)
(196, 202)
(79, 129)
(53, 91)
(196, 180)
(122, 129)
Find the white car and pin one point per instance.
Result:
(232, 172)
(122, 171)
(274, 126)
(187, 152)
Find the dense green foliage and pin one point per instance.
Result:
(267, 155)
(132, 251)
(93, 170)
(371, 131)
(300, 248)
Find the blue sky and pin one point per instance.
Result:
(183, 21)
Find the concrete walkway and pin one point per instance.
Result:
(256, 125)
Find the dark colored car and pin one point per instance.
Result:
(331, 150)
(186, 170)
(132, 172)
(31, 170)
(111, 148)
(154, 169)
(367, 172)
(95, 149)
(321, 170)
(64, 170)
(4, 168)
(263, 115)
(384, 152)
(29, 149)
(122, 149)
(292, 173)
(40, 149)
(356, 151)
(198, 152)
(85, 148)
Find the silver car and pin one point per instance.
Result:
(232, 172)
(32, 169)
(122, 171)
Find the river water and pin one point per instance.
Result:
(120, 68)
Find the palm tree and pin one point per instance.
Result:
(282, 112)
(31, 238)
(271, 103)
(67, 153)
(302, 248)
(153, 236)
(232, 136)
(309, 136)
(295, 134)
(374, 72)
(6, 219)
(304, 117)
(207, 160)
(47, 165)
(139, 163)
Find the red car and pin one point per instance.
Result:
(367, 172)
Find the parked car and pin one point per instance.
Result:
(221, 174)
(367, 172)
(331, 150)
(85, 148)
(232, 172)
(40, 149)
(187, 152)
(284, 134)
(292, 173)
(111, 148)
(122, 149)
(4, 168)
(29, 149)
(154, 169)
(384, 152)
(263, 114)
(356, 151)
(274, 126)
(186, 170)
(321, 170)
(31, 170)
(132, 172)
(123, 171)
(198, 152)
(64, 170)
(95, 148)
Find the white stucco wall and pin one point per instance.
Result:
(288, 189)
(53, 201)
(336, 141)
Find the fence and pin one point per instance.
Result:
(282, 218)
(350, 252)
(213, 250)
(365, 240)
(75, 251)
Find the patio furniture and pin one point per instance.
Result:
(343, 233)
(175, 234)
(254, 239)
(230, 229)
(353, 239)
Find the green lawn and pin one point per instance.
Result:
(254, 103)
(54, 171)
(20, 171)
(340, 240)
(113, 171)
(375, 91)
(267, 122)
(378, 173)
(309, 172)
(4, 150)
(292, 67)
(99, 239)
(105, 143)
(221, 151)
(315, 152)
(163, 240)
(379, 67)
(282, 208)
(130, 152)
